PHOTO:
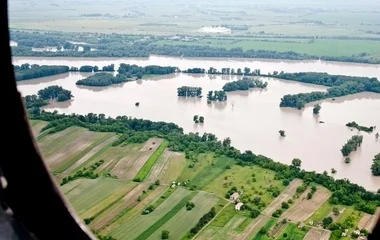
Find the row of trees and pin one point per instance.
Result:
(101, 79)
(186, 91)
(203, 221)
(360, 128)
(343, 191)
(244, 84)
(220, 96)
(351, 145)
(26, 71)
(339, 86)
(144, 49)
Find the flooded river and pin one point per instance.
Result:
(251, 119)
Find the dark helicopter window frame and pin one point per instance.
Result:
(30, 196)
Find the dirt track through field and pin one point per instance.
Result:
(129, 166)
(89, 155)
(128, 201)
(253, 228)
(284, 196)
(318, 234)
(302, 209)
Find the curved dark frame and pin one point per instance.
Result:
(32, 194)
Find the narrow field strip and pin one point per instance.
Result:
(160, 167)
(92, 191)
(134, 226)
(166, 217)
(108, 202)
(267, 227)
(74, 163)
(318, 234)
(253, 228)
(130, 165)
(144, 171)
(184, 220)
(283, 197)
(125, 210)
(302, 209)
(94, 147)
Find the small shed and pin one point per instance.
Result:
(238, 206)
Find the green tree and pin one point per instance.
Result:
(165, 234)
(296, 162)
(195, 118)
(327, 221)
(333, 170)
(375, 168)
(377, 135)
(336, 211)
(317, 108)
(282, 133)
(201, 119)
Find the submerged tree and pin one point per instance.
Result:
(201, 119)
(317, 109)
(377, 135)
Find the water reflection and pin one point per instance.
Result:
(60, 105)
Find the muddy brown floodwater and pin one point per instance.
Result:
(251, 119)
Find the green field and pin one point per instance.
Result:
(141, 223)
(91, 192)
(115, 206)
(184, 220)
(252, 180)
(267, 227)
(211, 172)
(319, 47)
(203, 161)
(292, 232)
(144, 171)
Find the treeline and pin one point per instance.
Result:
(375, 168)
(244, 84)
(147, 48)
(101, 79)
(186, 91)
(220, 96)
(135, 71)
(339, 86)
(343, 191)
(26, 71)
(119, 45)
(352, 145)
(360, 128)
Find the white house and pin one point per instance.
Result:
(235, 196)
(238, 206)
